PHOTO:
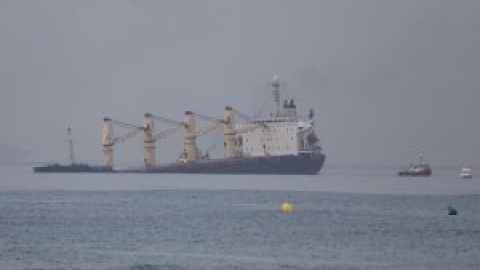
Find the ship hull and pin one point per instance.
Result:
(281, 165)
(423, 172)
(306, 164)
(74, 168)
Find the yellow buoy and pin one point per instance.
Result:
(287, 207)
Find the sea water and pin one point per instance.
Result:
(343, 218)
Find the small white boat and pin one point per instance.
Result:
(466, 172)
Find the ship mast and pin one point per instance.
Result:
(276, 92)
(71, 140)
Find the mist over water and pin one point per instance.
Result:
(340, 179)
(344, 218)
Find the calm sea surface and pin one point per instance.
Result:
(344, 218)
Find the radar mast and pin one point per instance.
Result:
(276, 92)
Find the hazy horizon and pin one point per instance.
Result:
(388, 80)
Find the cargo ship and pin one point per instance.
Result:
(282, 143)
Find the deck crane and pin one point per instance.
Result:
(150, 138)
(229, 129)
(109, 140)
(190, 134)
(216, 123)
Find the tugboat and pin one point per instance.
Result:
(417, 169)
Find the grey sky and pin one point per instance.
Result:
(387, 79)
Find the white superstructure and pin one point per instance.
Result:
(278, 137)
(284, 133)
